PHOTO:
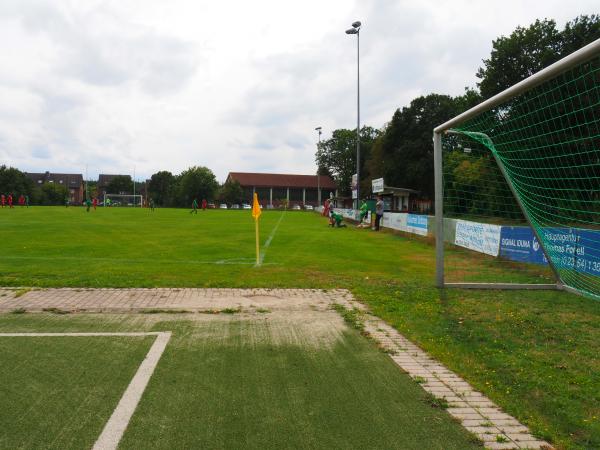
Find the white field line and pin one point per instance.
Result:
(117, 424)
(269, 239)
(232, 261)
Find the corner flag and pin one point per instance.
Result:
(256, 212)
(256, 207)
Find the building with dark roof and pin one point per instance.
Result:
(72, 181)
(272, 188)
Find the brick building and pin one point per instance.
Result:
(296, 189)
(72, 181)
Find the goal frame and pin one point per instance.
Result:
(141, 197)
(569, 61)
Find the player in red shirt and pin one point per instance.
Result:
(21, 200)
(3, 200)
(95, 203)
(204, 204)
(10, 200)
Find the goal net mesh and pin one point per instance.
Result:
(547, 143)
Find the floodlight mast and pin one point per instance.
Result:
(318, 129)
(356, 25)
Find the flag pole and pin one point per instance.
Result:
(256, 214)
(257, 242)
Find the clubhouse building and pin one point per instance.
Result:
(273, 188)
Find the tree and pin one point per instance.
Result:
(337, 155)
(403, 155)
(120, 184)
(53, 194)
(196, 183)
(161, 188)
(528, 50)
(232, 192)
(13, 181)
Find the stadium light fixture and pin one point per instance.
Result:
(356, 25)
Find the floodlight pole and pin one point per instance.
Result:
(134, 186)
(318, 129)
(356, 30)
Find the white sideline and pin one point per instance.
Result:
(115, 427)
(269, 239)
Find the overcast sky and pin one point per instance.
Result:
(231, 85)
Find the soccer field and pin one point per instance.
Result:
(533, 353)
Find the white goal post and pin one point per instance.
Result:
(123, 200)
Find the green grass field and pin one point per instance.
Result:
(534, 353)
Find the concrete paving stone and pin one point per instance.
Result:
(501, 446)
(466, 410)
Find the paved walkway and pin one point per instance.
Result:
(476, 412)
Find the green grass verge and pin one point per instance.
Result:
(58, 392)
(226, 383)
(535, 353)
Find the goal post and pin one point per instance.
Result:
(525, 162)
(123, 200)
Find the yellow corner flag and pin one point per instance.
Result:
(256, 212)
(256, 207)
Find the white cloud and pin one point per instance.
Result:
(231, 85)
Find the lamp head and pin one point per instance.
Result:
(351, 31)
(318, 129)
(356, 24)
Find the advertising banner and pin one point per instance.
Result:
(416, 223)
(520, 244)
(354, 186)
(481, 237)
(574, 248)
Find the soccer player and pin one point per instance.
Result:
(152, 204)
(95, 203)
(363, 212)
(337, 220)
(66, 202)
(21, 200)
(88, 204)
(27, 201)
(3, 200)
(194, 207)
(204, 204)
(10, 200)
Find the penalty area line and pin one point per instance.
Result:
(119, 420)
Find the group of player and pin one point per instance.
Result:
(336, 219)
(7, 200)
(195, 206)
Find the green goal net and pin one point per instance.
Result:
(521, 182)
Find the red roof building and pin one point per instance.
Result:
(272, 188)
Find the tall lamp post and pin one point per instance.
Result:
(318, 130)
(356, 30)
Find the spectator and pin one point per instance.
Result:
(378, 212)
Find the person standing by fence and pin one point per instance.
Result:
(378, 212)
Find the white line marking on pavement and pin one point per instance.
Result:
(117, 424)
(269, 239)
